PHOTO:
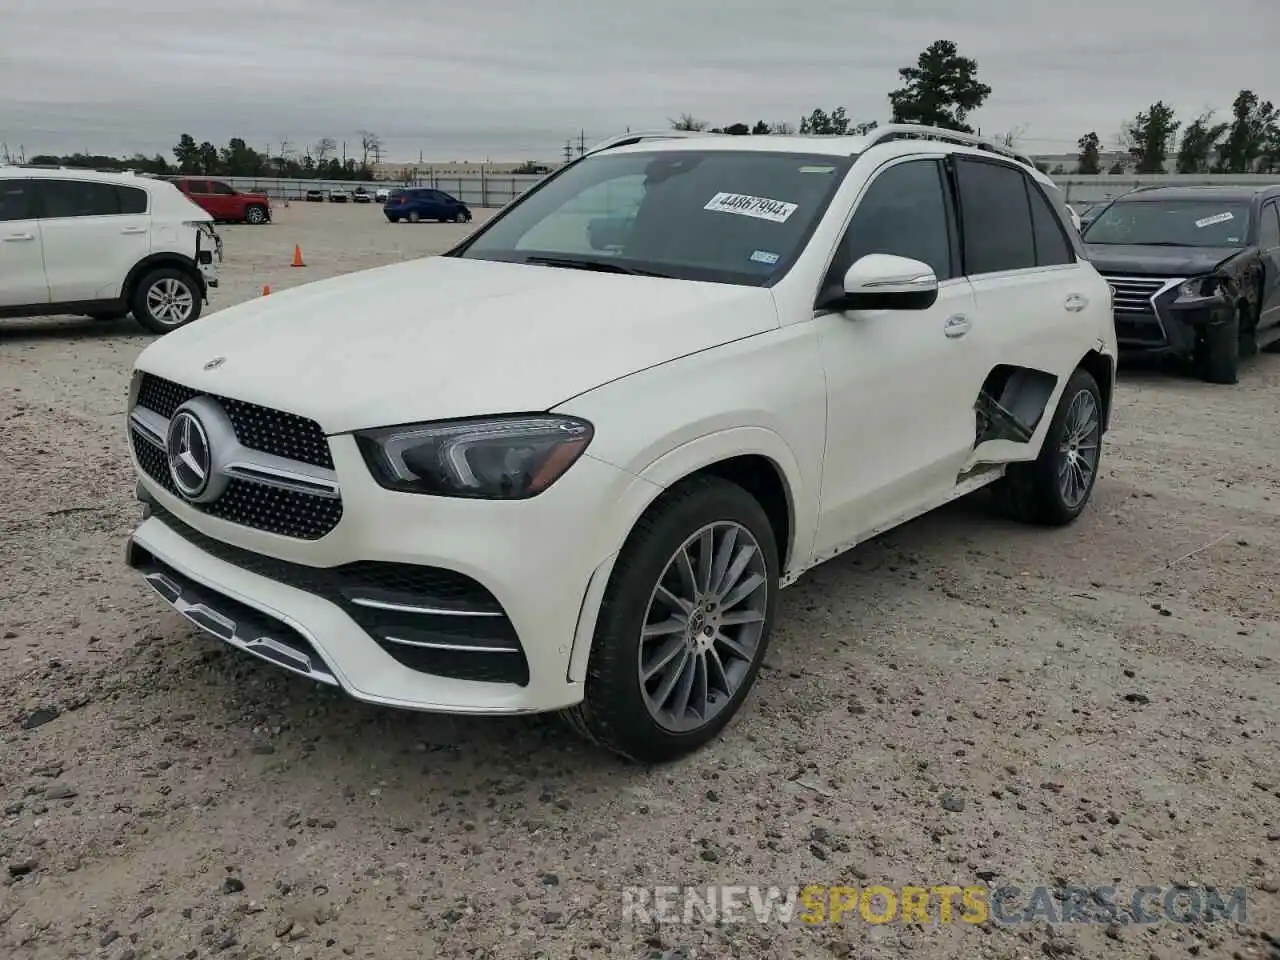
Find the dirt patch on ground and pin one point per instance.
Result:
(963, 701)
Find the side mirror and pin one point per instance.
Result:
(881, 281)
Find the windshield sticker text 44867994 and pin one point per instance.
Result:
(762, 208)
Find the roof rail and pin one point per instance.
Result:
(625, 139)
(919, 131)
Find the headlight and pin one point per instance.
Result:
(495, 458)
(1199, 287)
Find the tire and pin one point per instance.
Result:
(1034, 492)
(414, 216)
(255, 215)
(1219, 353)
(393, 219)
(616, 711)
(459, 217)
(157, 300)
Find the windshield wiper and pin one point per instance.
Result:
(600, 266)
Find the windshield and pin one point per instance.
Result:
(739, 216)
(1172, 223)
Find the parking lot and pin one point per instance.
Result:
(963, 701)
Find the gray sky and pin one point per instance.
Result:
(512, 79)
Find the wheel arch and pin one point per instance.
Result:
(1102, 368)
(156, 261)
(756, 459)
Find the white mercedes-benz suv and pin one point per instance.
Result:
(569, 464)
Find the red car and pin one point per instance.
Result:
(224, 202)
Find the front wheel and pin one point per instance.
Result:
(255, 216)
(1053, 489)
(165, 300)
(414, 216)
(684, 624)
(1218, 354)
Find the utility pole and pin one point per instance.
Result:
(582, 142)
(568, 150)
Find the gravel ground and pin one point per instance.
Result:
(962, 701)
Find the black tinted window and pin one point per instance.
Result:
(197, 186)
(903, 212)
(1268, 229)
(15, 200)
(997, 217)
(1051, 243)
(78, 198)
(132, 200)
(220, 188)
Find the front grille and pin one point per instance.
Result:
(289, 513)
(470, 616)
(258, 428)
(1136, 320)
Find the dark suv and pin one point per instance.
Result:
(1195, 272)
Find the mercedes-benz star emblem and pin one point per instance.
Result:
(215, 363)
(190, 459)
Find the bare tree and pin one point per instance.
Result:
(782, 128)
(687, 121)
(323, 148)
(370, 143)
(1011, 138)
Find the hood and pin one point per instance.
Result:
(441, 337)
(1157, 261)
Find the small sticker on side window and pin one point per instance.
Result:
(764, 256)
(744, 205)
(1216, 218)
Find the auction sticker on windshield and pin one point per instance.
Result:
(762, 208)
(1216, 218)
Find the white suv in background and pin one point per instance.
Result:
(103, 244)
(569, 463)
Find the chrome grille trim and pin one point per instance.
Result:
(254, 466)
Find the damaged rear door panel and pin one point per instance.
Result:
(1033, 296)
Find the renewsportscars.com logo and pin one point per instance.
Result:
(944, 904)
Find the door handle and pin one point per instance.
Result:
(133, 230)
(15, 237)
(956, 326)
(1075, 303)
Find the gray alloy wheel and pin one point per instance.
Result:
(1078, 451)
(255, 216)
(702, 629)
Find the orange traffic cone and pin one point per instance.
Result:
(297, 256)
(266, 289)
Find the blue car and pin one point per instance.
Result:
(425, 203)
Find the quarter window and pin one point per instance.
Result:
(996, 214)
(1052, 247)
(904, 213)
(78, 198)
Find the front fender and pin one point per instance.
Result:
(665, 471)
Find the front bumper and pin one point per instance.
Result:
(284, 599)
(1152, 321)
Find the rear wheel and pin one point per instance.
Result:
(414, 216)
(166, 299)
(684, 624)
(1053, 489)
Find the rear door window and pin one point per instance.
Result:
(63, 199)
(132, 200)
(996, 217)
